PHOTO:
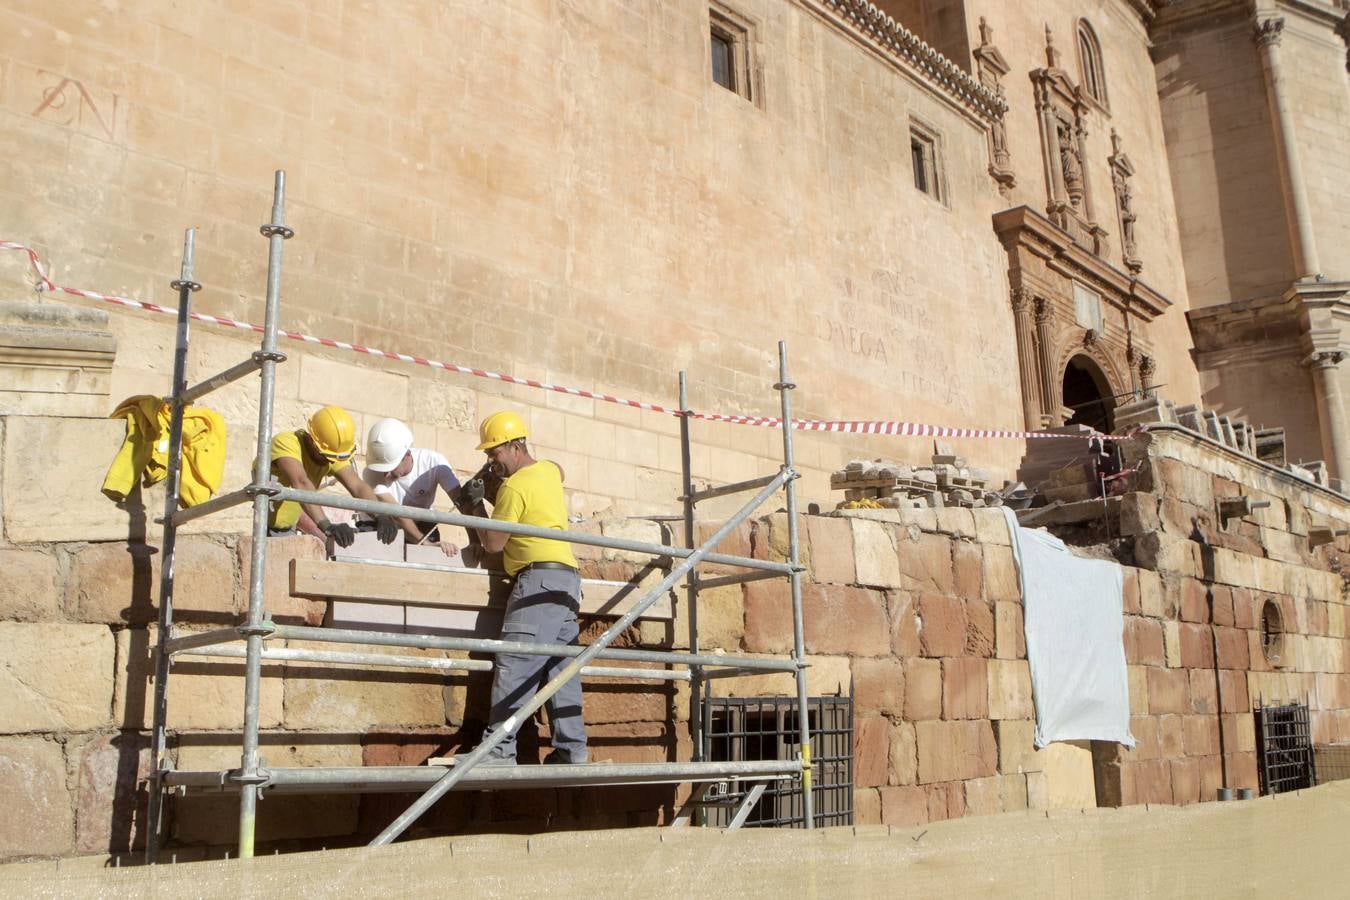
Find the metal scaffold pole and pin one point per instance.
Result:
(256, 627)
(692, 580)
(159, 723)
(785, 388)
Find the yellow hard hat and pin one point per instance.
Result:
(333, 432)
(499, 428)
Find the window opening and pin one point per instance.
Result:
(1284, 748)
(925, 160)
(730, 47)
(1090, 55)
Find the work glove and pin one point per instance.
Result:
(386, 529)
(342, 534)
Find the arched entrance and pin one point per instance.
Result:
(1087, 395)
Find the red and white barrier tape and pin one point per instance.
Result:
(902, 429)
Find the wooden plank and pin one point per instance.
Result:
(445, 588)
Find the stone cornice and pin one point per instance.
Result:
(1309, 316)
(902, 47)
(1184, 15)
(1024, 226)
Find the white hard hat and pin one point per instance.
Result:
(389, 442)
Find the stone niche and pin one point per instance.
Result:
(55, 360)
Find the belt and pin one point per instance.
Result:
(545, 565)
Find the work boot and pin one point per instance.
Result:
(564, 758)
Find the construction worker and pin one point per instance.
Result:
(303, 458)
(406, 475)
(545, 590)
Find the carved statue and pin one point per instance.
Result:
(1073, 170)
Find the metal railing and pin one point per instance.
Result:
(252, 776)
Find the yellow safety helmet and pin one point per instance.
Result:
(499, 428)
(333, 433)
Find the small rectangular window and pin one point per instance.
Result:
(926, 159)
(731, 47)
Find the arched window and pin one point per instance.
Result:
(1090, 56)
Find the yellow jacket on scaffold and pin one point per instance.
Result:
(145, 450)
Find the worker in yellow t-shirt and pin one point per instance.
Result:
(302, 459)
(545, 590)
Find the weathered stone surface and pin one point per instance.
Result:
(1233, 650)
(29, 589)
(1152, 781)
(1145, 637)
(1130, 602)
(942, 625)
(110, 808)
(965, 688)
(904, 754)
(957, 522)
(721, 617)
(277, 599)
(904, 806)
(1069, 775)
(359, 700)
(1197, 646)
(770, 539)
(825, 676)
(1185, 781)
(875, 555)
(905, 624)
(925, 563)
(1010, 640)
(118, 583)
(1151, 595)
(879, 686)
(843, 619)
(1200, 735)
(946, 800)
(1172, 644)
(768, 616)
(55, 677)
(1137, 677)
(1017, 746)
(979, 628)
(738, 543)
(1010, 690)
(1204, 692)
(866, 806)
(39, 817)
(1168, 691)
(1000, 575)
(954, 751)
(871, 756)
(991, 528)
(1194, 601)
(984, 796)
(1144, 730)
(203, 694)
(968, 569)
(923, 689)
(832, 559)
(1171, 736)
(69, 479)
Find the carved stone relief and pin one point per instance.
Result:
(991, 67)
(1121, 173)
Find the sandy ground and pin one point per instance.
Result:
(1286, 846)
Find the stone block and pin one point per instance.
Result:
(1144, 729)
(1138, 514)
(1168, 691)
(29, 585)
(904, 754)
(904, 806)
(871, 751)
(39, 816)
(1010, 641)
(204, 694)
(945, 801)
(1204, 692)
(905, 623)
(968, 569)
(965, 688)
(1000, 575)
(1185, 781)
(980, 629)
(768, 616)
(956, 521)
(1243, 771)
(954, 751)
(925, 563)
(1145, 636)
(277, 599)
(109, 806)
(942, 630)
(1233, 647)
(1221, 605)
(1017, 746)
(367, 546)
(376, 616)
(1137, 677)
(358, 700)
(1013, 792)
(55, 677)
(118, 583)
(843, 619)
(1010, 695)
(1171, 736)
(1152, 781)
(879, 686)
(769, 537)
(1151, 594)
(832, 558)
(1194, 601)
(1130, 603)
(1200, 735)
(875, 561)
(721, 618)
(825, 676)
(70, 479)
(984, 796)
(1197, 646)
(866, 806)
(738, 543)
(1038, 790)
(1172, 644)
(923, 689)
(991, 528)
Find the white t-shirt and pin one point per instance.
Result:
(418, 487)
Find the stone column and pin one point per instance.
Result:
(1044, 345)
(1330, 412)
(1147, 366)
(1267, 33)
(1022, 303)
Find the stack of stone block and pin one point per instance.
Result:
(949, 481)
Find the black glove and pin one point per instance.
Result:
(342, 534)
(386, 529)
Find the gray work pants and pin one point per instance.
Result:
(542, 610)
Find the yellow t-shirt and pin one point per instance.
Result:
(534, 496)
(287, 444)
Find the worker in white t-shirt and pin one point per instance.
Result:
(406, 475)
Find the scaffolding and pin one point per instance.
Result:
(253, 777)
